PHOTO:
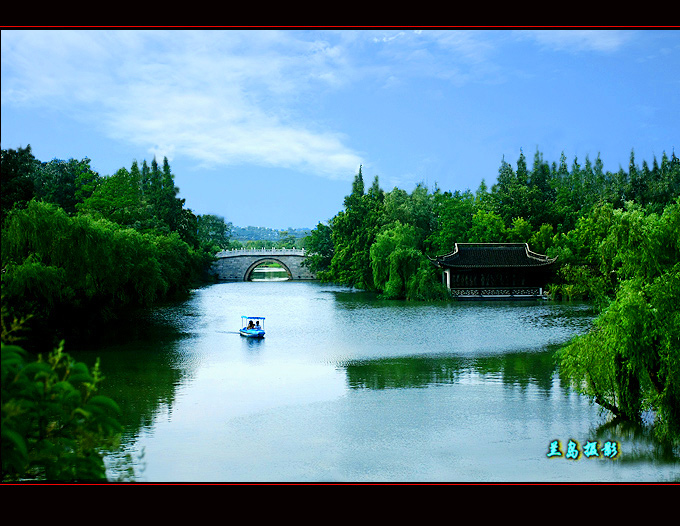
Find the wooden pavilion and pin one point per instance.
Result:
(495, 271)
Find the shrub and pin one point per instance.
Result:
(54, 424)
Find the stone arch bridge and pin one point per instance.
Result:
(238, 264)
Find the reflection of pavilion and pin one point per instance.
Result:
(494, 270)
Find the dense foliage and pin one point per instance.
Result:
(615, 236)
(67, 270)
(630, 362)
(79, 248)
(541, 205)
(54, 423)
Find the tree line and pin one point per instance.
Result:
(616, 236)
(79, 248)
(540, 205)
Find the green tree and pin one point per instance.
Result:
(395, 259)
(487, 227)
(154, 185)
(541, 193)
(213, 231)
(400, 269)
(145, 177)
(118, 198)
(542, 239)
(453, 213)
(65, 183)
(415, 209)
(512, 194)
(353, 231)
(483, 199)
(319, 250)
(168, 205)
(55, 426)
(16, 169)
(520, 231)
(630, 362)
(668, 187)
(286, 240)
(583, 273)
(590, 175)
(61, 268)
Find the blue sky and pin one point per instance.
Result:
(269, 127)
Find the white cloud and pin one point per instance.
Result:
(457, 56)
(600, 40)
(219, 97)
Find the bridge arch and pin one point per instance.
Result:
(249, 272)
(238, 264)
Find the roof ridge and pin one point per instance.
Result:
(489, 255)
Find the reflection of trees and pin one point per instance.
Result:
(141, 369)
(516, 369)
(146, 382)
(521, 369)
(411, 371)
(649, 449)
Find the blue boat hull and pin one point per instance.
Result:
(252, 333)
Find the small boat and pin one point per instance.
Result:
(251, 328)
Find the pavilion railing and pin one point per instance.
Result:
(497, 292)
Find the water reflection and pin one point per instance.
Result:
(649, 452)
(144, 362)
(347, 386)
(511, 369)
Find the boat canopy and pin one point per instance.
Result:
(252, 331)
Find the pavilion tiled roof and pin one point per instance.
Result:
(492, 255)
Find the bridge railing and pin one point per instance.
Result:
(261, 252)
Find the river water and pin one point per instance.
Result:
(346, 387)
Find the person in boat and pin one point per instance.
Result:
(250, 325)
(257, 325)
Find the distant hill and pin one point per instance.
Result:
(259, 233)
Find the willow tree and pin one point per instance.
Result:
(630, 362)
(71, 272)
(395, 258)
